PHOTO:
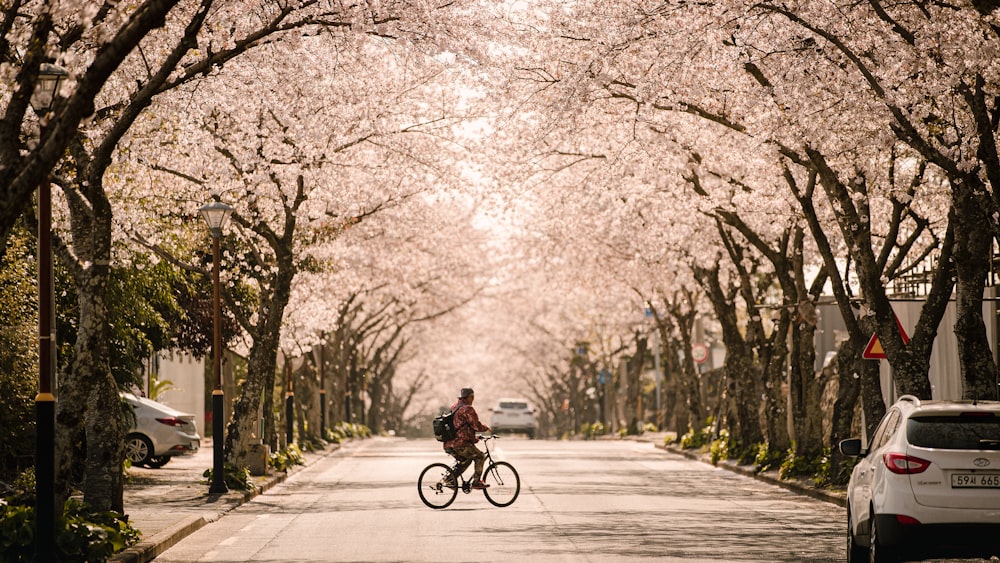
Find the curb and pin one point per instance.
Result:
(771, 477)
(148, 549)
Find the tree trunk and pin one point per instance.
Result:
(742, 377)
(261, 366)
(689, 384)
(634, 385)
(972, 244)
(90, 393)
(773, 409)
(848, 383)
(677, 418)
(268, 413)
(804, 386)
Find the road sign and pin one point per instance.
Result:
(602, 378)
(699, 352)
(874, 350)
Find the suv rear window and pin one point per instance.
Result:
(965, 432)
(512, 406)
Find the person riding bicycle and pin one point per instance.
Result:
(463, 447)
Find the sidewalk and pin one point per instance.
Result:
(799, 486)
(170, 503)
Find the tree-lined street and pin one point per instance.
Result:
(664, 215)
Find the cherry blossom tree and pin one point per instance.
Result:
(763, 81)
(92, 42)
(166, 60)
(303, 172)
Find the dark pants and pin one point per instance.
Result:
(466, 455)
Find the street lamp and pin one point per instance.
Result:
(215, 215)
(47, 85)
(322, 385)
(289, 404)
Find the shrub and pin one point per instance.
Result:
(333, 435)
(815, 467)
(352, 430)
(719, 448)
(311, 443)
(765, 458)
(81, 534)
(697, 438)
(284, 459)
(593, 430)
(236, 478)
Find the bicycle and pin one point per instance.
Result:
(439, 483)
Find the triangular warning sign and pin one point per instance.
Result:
(874, 350)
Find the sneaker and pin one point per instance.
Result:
(477, 484)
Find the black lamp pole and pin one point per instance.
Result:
(45, 400)
(215, 214)
(322, 385)
(289, 405)
(47, 86)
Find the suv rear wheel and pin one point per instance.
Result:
(855, 552)
(877, 551)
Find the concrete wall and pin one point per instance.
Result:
(188, 376)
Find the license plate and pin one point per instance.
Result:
(976, 480)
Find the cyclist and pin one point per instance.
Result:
(463, 446)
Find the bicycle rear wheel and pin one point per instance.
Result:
(433, 486)
(504, 484)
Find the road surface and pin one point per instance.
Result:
(580, 501)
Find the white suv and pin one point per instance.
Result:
(928, 484)
(514, 415)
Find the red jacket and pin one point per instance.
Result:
(466, 425)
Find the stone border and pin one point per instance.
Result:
(799, 486)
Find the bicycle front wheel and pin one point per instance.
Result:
(436, 486)
(504, 484)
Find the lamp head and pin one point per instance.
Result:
(50, 77)
(215, 215)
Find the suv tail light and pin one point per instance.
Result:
(903, 464)
(171, 421)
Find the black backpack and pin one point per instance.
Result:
(444, 427)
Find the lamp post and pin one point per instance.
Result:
(289, 404)
(50, 77)
(216, 214)
(322, 385)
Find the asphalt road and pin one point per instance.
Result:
(580, 501)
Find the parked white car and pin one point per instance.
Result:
(928, 484)
(158, 432)
(514, 415)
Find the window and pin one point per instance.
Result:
(963, 432)
(885, 430)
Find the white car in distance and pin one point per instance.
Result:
(514, 415)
